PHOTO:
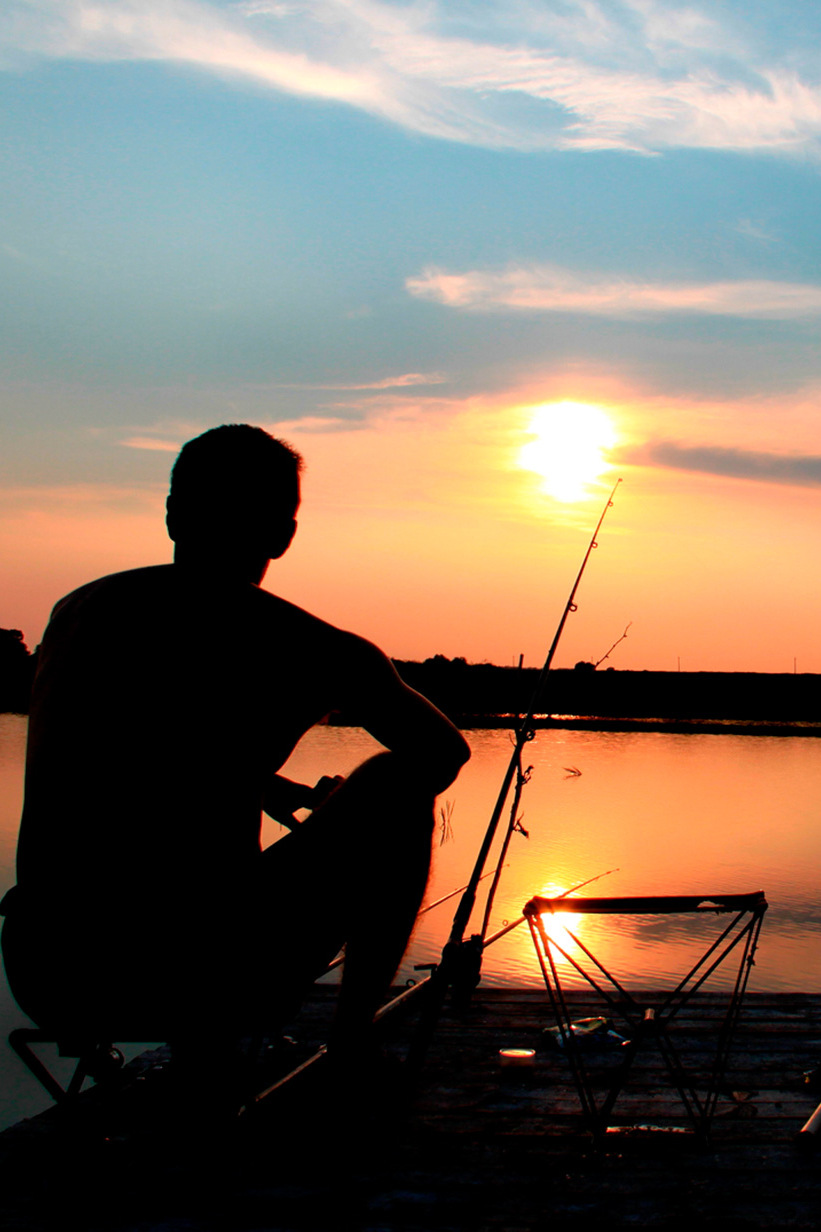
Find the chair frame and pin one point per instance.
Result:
(96, 1060)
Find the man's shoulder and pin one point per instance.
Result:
(299, 622)
(116, 586)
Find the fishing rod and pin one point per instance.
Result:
(524, 733)
(461, 961)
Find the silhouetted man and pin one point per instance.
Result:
(165, 702)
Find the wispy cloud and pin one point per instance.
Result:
(74, 499)
(316, 424)
(170, 438)
(799, 471)
(548, 288)
(24, 258)
(162, 436)
(186, 31)
(404, 381)
(153, 444)
(645, 75)
(754, 230)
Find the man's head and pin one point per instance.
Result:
(234, 491)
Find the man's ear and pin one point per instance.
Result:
(171, 519)
(282, 539)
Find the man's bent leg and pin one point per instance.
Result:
(356, 872)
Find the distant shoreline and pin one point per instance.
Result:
(685, 727)
(594, 723)
(586, 699)
(476, 695)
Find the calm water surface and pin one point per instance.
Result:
(674, 814)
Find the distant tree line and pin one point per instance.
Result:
(469, 692)
(17, 665)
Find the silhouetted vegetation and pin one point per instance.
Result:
(477, 694)
(470, 692)
(16, 671)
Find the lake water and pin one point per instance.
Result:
(674, 814)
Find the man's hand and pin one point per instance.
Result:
(283, 797)
(326, 787)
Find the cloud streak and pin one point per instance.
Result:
(152, 444)
(644, 76)
(549, 288)
(405, 381)
(796, 470)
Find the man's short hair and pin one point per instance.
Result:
(231, 479)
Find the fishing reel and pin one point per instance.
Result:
(466, 971)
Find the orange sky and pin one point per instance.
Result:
(420, 530)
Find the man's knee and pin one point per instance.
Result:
(386, 807)
(393, 781)
(375, 820)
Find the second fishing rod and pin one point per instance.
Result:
(459, 968)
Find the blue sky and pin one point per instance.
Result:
(333, 215)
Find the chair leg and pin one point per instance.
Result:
(21, 1040)
(98, 1061)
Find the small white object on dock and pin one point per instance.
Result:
(517, 1058)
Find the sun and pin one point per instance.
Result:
(568, 447)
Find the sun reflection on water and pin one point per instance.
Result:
(560, 927)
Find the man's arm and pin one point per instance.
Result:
(400, 718)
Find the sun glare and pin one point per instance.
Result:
(561, 926)
(558, 926)
(568, 447)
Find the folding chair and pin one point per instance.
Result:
(99, 1061)
(647, 1024)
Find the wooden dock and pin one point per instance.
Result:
(478, 1147)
